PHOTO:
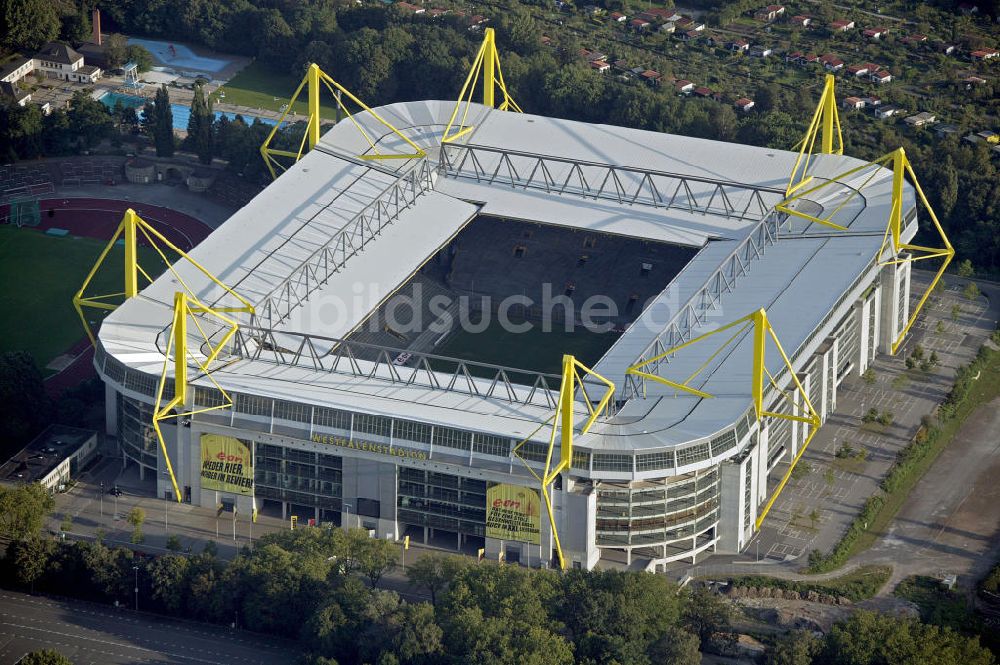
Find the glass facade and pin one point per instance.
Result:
(298, 476)
(647, 513)
(135, 431)
(441, 501)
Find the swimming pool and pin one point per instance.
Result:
(181, 113)
(179, 56)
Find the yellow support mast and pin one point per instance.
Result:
(186, 307)
(825, 124)
(131, 229)
(762, 331)
(486, 66)
(573, 373)
(892, 243)
(314, 79)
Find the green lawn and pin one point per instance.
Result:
(257, 87)
(41, 274)
(532, 350)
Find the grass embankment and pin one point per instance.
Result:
(40, 275)
(857, 585)
(976, 384)
(937, 604)
(257, 87)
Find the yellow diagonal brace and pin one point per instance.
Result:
(825, 123)
(563, 430)
(487, 63)
(313, 80)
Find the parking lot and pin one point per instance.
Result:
(827, 492)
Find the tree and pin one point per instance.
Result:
(24, 405)
(142, 58)
(160, 123)
(200, 137)
(89, 119)
(965, 269)
(167, 577)
(27, 24)
(45, 657)
(76, 27)
(867, 638)
(798, 647)
(705, 614)
(372, 557)
(434, 572)
(116, 50)
(136, 517)
(23, 510)
(174, 543)
(971, 291)
(31, 557)
(675, 647)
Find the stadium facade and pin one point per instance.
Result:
(341, 416)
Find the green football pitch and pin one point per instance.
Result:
(534, 350)
(40, 275)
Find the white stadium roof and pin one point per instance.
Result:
(514, 166)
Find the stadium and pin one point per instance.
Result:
(485, 330)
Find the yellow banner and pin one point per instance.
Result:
(226, 464)
(513, 513)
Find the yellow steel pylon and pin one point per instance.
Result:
(762, 331)
(901, 167)
(186, 307)
(131, 229)
(562, 425)
(313, 79)
(825, 124)
(486, 63)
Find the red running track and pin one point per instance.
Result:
(99, 218)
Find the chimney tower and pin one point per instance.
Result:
(96, 21)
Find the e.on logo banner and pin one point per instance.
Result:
(226, 465)
(513, 513)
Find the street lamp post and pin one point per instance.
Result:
(102, 501)
(136, 569)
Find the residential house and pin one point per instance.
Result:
(667, 28)
(988, 136)
(875, 33)
(686, 24)
(842, 25)
(12, 92)
(621, 65)
(744, 104)
(618, 17)
(702, 91)
(593, 10)
(947, 49)
(914, 39)
(880, 77)
(921, 119)
(16, 69)
(639, 24)
(684, 86)
(651, 76)
(853, 103)
(968, 8)
(972, 81)
(984, 54)
(883, 112)
(437, 12)
(802, 21)
(660, 14)
(738, 45)
(476, 22)
(60, 61)
(601, 66)
(761, 51)
(410, 9)
(858, 70)
(832, 63)
(946, 130)
(770, 13)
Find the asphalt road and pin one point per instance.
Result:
(88, 633)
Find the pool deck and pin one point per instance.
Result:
(184, 96)
(235, 62)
